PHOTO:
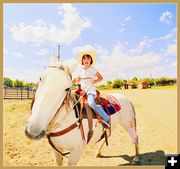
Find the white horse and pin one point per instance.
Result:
(51, 113)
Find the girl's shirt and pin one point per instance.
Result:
(86, 84)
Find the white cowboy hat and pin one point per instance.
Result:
(91, 53)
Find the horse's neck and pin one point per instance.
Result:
(65, 117)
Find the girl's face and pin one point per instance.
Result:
(86, 61)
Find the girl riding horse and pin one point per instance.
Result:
(87, 78)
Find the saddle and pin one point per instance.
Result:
(108, 103)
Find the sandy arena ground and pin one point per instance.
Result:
(156, 114)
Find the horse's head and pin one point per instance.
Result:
(51, 92)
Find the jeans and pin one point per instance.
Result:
(97, 108)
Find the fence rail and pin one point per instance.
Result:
(18, 93)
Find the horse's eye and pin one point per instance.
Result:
(67, 90)
(40, 79)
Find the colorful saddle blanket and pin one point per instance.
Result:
(109, 104)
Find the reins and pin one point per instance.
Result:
(68, 129)
(65, 102)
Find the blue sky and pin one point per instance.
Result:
(129, 39)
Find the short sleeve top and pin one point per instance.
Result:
(86, 84)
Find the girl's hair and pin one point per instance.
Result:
(87, 56)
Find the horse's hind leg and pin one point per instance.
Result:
(134, 139)
(128, 121)
(131, 129)
(133, 135)
(136, 157)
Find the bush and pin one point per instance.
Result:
(116, 83)
(18, 83)
(8, 82)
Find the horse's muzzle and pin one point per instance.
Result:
(38, 137)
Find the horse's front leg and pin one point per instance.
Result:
(75, 155)
(59, 158)
(98, 153)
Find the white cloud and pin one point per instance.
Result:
(166, 37)
(18, 54)
(70, 28)
(128, 18)
(174, 30)
(170, 35)
(5, 51)
(172, 49)
(166, 17)
(42, 52)
(145, 43)
(37, 61)
(124, 23)
(122, 30)
(124, 61)
(174, 64)
(86, 47)
(68, 61)
(26, 75)
(9, 70)
(148, 41)
(154, 72)
(119, 64)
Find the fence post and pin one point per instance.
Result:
(28, 92)
(4, 92)
(21, 93)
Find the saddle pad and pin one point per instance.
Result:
(110, 102)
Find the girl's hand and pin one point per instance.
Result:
(77, 80)
(93, 81)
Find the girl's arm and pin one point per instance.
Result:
(76, 80)
(99, 78)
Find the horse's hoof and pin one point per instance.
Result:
(135, 161)
(98, 155)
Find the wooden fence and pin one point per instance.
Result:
(18, 93)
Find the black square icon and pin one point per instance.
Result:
(172, 161)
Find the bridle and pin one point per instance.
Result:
(51, 125)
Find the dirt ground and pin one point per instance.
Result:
(156, 114)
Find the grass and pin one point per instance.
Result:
(173, 87)
(16, 106)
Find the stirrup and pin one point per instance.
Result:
(105, 124)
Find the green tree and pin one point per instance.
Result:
(8, 82)
(18, 83)
(134, 79)
(109, 84)
(102, 86)
(29, 84)
(124, 81)
(163, 81)
(116, 83)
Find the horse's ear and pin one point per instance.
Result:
(73, 66)
(53, 60)
(66, 69)
(59, 64)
